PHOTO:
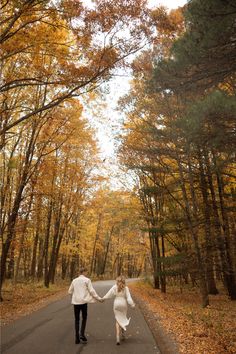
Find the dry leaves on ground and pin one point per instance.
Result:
(22, 299)
(196, 330)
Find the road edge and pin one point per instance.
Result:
(165, 342)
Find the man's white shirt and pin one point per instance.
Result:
(82, 291)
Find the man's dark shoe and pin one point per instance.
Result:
(77, 341)
(84, 339)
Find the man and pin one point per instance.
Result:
(82, 293)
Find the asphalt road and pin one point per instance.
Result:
(50, 330)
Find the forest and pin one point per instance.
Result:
(177, 143)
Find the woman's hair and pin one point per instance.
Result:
(120, 282)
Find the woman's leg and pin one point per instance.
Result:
(117, 333)
(122, 334)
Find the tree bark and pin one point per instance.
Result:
(200, 265)
(93, 260)
(207, 226)
(225, 224)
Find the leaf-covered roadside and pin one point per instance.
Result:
(22, 299)
(210, 330)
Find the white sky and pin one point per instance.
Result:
(170, 4)
(108, 126)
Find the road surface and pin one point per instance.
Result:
(50, 330)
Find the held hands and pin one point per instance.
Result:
(101, 300)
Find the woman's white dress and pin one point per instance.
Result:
(120, 304)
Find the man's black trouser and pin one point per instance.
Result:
(84, 309)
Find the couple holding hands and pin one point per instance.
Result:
(83, 293)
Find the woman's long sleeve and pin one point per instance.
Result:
(110, 294)
(129, 298)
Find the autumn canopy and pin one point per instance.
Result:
(175, 222)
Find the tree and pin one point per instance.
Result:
(204, 55)
(111, 229)
(62, 49)
(175, 136)
(48, 164)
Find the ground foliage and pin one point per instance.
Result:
(23, 298)
(198, 330)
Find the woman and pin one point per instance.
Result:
(122, 296)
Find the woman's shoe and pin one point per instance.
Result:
(117, 340)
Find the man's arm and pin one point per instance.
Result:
(92, 291)
(71, 288)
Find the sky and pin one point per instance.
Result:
(110, 120)
(170, 4)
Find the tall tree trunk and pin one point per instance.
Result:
(34, 255)
(53, 251)
(10, 232)
(217, 225)
(106, 251)
(163, 276)
(11, 264)
(193, 233)
(40, 258)
(72, 267)
(64, 266)
(54, 264)
(154, 253)
(225, 224)
(21, 244)
(207, 225)
(93, 260)
(36, 238)
(16, 206)
(46, 245)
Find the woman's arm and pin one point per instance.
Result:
(110, 294)
(129, 298)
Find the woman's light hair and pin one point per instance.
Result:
(120, 282)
